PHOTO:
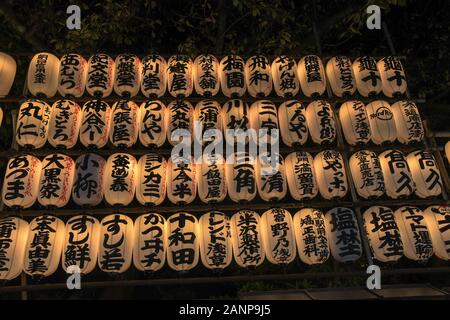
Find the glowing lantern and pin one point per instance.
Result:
(12, 252)
(1, 117)
(101, 74)
(271, 177)
(95, 122)
(312, 76)
(72, 75)
(231, 75)
(301, 176)
(292, 121)
(65, 122)
(151, 179)
(397, 177)
(206, 75)
(367, 76)
(246, 239)
(43, 74)
(438, 221)
(321, 122)
(152, 123)
(393, 78)
(240, 177)
(32, 123)
(330, 174)
(88, 181)
(180, 120)
(154, 77)
(285, 78)
(235, 117)
(355, 122)
(340, 76)
(212, 187)
(124, 124)
(21, 181)
(208, 115)
(258, 76)
(447, 151)
(264, 120)
(127, 75)
(8, 69)
(382, 123)
(179, 76)
(120, 180)
(367, 175)
(425, 174)
(407, 122)
(181, 180)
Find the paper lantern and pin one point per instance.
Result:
(343, 232)
(258, 76)
(81, 243)
(292, 121)
(301, 176)
(438, 221)
(127, 80)
(383, 234)
(88, 181)
(152, 123)
(180, 81)
(235, 117)
(321, 122)
(311, 236)
(367, 76)
(1, 117)
(206, 75)
(150, 242)
(95, 122)
(120, 179)
(416, 237)
(13, 239)
(393, 78)
(246, 239)
(312, 76)
(181, 180)
(72, 75)
(65, 122)
(216, 249)
(425, 174)
(447, 151)
(44, 246)
(56, 180)
(367, 175)
(382, 123)
(355, 122)
(264, 121)
(21, 181)
(180, 121)
(340, 76)
(407, 122)
(240, 177)
(32, 123)
(212, 187)
(116, 243)
(277, 236)
(8, 69)
(154, 77)
(231, 76)
(43, 74)
(183, 241)
(208, 116)
(330, 174)
(270, 177)
(124, 124)
(151, 179)
(397, 177)
(285, 78)
(101, 74)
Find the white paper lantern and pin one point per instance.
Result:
(248, 250)
(438, 221)
(408, 122)
(216, 249)
(180, 121)
(240, 177)
(154, 76)
(150, 242)
(271, 177)
(392, 76)
(101, 74)
(180, 82)
(285, 78)
(206, 75)
(208, 116)
(340, 76)
(21, 181)
(383, 234)
(367, 175)
(311, 236)
(33, 123)
(367, 76)
(124, 124)
(417, 243)
(43, 74)
(72, 75)
(44, 246)
(81, 243)
(235, 117)
(425, 174)
(258, 76)
(382, 123)
(321, 122)
(65, 122)
(120, 180)
(312, 76)
(56, 180)
(151, 179)
(301, 176)
(212, 186)
(116, 243)
(181, 180)
(152, 123)
(264, 120)
(95, 123)
(183, 241)
(8, 69)
(330, 174)
(1, 117)
(127, 75)
(292, 122)
(397, 177)
(88, 181)
(13, 240)
(355, 122)
(231, 75)
(278, 236)
(447, 151)
(343, 232)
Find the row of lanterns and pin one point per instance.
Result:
(182, 240)
(180, 75)
(90, 179)
(152, 123)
